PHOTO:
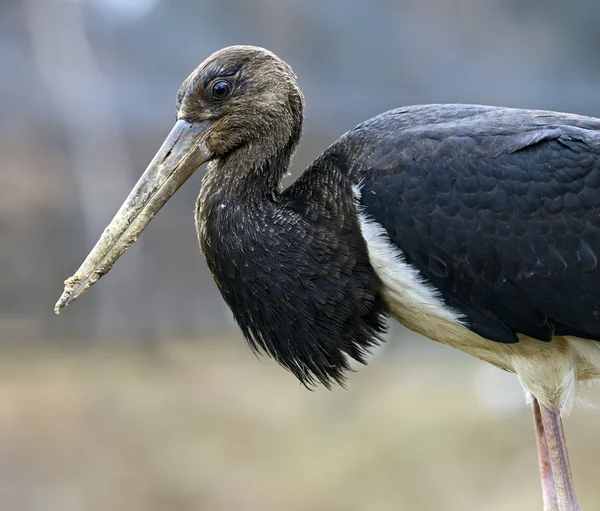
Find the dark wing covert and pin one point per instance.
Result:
(498, 208)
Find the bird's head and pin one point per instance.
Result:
(242, 95)
(241, 101)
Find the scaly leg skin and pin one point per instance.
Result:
(548, 489)
(559, 459)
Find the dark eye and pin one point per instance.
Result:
(221, 89)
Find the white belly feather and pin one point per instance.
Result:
(550, 371)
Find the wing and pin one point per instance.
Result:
(498, 208)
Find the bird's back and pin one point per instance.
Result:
(451, 130)
(496, 208)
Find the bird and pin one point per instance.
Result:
(475, 226)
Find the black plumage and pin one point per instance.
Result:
(498, 208)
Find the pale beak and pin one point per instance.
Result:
(179, 157)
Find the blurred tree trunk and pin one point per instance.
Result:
(100, 163)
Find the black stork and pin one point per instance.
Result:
(475, 226)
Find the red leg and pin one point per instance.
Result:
(549, 496)
(559, 460)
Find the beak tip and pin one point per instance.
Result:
(63, 302)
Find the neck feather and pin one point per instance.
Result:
(247, 174)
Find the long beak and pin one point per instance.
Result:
(179, 157)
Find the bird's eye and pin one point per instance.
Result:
(221, 89)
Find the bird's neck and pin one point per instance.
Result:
(293, 267)
(239, 194)
(246, 175)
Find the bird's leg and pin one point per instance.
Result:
(549, 496)
(556, 448)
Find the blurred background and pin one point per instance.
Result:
(143, 395)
